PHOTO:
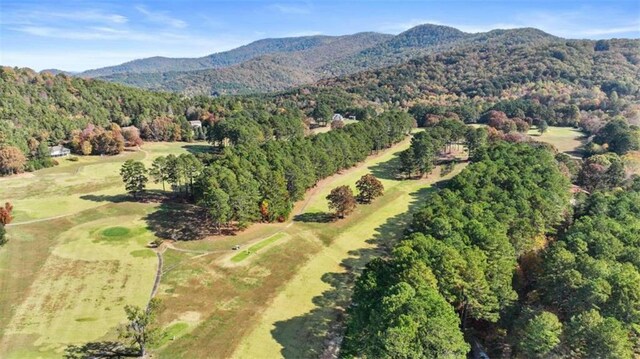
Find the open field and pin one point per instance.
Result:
(327, 128)
(306, 312)
(77, 254)
(568, 140)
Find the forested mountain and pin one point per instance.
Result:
(562, 82)
(269, 72)
(301, 61)
(255, 49)
(494, 68)
(424, 39)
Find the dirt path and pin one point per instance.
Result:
(156, 283)
(40, 220)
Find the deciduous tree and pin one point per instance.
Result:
(12, 160)
(141, 329)
(369, 187)
(341, 200)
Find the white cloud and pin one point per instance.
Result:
(92, 33)
(291, 9)
(40, 17)
(611, 31)
(161, 18)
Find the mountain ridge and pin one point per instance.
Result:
(278, 64)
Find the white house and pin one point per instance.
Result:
(59, 151)
(195, 124)
(337, 116)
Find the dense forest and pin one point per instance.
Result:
(499, 259)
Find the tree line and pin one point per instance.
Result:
(251, 181)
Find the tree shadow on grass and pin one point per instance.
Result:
(179, 221)
(146, 196)
(317, 217)
(319, 332)
(100, 350)
(119, 198)
(200, 148)
(387, 170)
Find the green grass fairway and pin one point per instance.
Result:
(566, 139)
(297, 322)
(77, 254)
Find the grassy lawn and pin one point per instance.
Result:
(565, 139)
(299, 319)
(77, 254)
(327, 128)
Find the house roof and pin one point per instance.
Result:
(59, 148)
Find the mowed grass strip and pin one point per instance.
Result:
(256, 247)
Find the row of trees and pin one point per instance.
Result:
(456, 269)
(253, 181)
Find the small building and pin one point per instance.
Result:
(337, 117)
(195, 124)
(59, 151)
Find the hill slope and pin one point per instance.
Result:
(224, 59)
(326, 57)
(501, 66)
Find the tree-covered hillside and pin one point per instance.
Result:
(315, 58)
(243, 53)
(498, 69)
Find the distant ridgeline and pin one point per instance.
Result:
(484, 63)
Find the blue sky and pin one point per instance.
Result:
(78, 35)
